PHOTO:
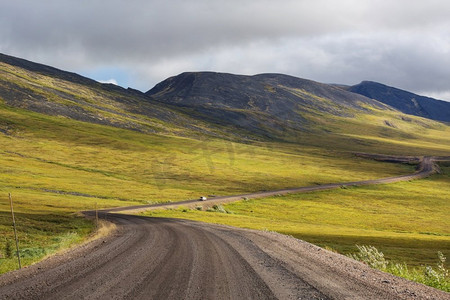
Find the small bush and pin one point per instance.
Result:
(370, 256)
(219, 208)
(32, 252)
(438, 278)
(8, 249)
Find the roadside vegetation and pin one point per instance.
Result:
(437, 276)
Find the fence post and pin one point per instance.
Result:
(15, 231)
(96, 216)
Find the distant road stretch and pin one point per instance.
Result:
(426, 166)
(157, 258)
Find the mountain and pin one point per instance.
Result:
(265, 103)
(263, 92)
(404, 101)
(205, 105)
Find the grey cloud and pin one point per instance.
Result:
(403, 43)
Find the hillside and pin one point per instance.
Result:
(44, 89)
(404, 101)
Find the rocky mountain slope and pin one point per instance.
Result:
(265, 104)
(405, 101)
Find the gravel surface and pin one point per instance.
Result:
(155, 258)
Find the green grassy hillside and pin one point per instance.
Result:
(56, 166)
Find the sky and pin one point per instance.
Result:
(138, 43)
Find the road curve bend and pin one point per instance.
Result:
(157, 258)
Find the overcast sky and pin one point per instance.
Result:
(137, 43)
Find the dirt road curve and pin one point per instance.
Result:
(151, 258)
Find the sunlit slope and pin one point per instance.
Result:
(58, 155)
(389, 132)
(50, 91)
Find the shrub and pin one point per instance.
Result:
(32, 252)
(8, 249)
(438, 278)
(219, 208)
(370, 256)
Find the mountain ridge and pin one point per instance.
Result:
(406, 102)
(265, 103)
(269, 107)
(43, 89)
(61, 74)
(187, 86)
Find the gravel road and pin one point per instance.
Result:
(156, 258)
(153, 258)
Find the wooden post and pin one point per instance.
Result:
(15, 231)
(96, 216)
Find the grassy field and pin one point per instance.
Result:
(407, 221)
(55, 167)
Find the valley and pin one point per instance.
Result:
(70, 144)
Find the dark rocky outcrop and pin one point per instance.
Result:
(404, 101)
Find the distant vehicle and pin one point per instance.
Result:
(202, 198)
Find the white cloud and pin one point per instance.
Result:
(445, 95)
(113, 81)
